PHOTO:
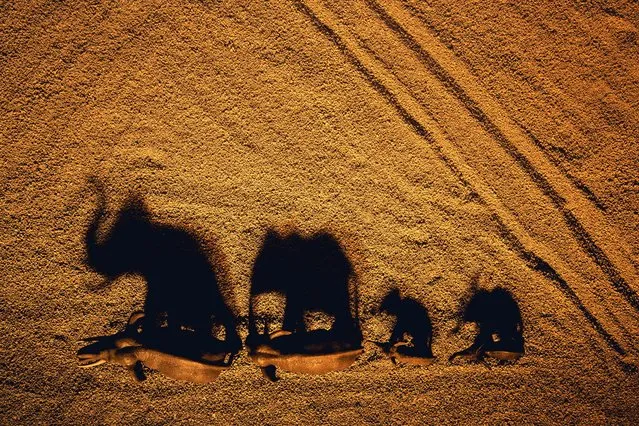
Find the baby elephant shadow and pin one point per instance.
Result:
(411, 338)
(313, 274)
(183, 298)
(498, 318)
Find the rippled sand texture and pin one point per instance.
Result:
(437, 141)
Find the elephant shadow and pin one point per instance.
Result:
(500, 326)
(312, 274)
(413, 325)
(183, 295)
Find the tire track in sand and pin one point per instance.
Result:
(411, 112)
(515, 144)
(573, 179)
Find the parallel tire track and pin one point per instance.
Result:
(381, 89)
(536, 263)
(410, 111)
(584, 238)
(574, 180)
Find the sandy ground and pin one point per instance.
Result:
(437, 142)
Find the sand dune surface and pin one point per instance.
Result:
(440, 143)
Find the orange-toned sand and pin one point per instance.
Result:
(436, 140)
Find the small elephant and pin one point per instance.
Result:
(178, 356)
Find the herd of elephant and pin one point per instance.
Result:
(184, 304)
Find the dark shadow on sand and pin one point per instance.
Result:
(183, 297)
(500, 324)
(412, 324)
(313, 274)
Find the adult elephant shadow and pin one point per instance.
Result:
(183, 294)
(313, 274)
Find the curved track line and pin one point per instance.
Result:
(412, 114)
(515, 144)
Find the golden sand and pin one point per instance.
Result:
(437, 141)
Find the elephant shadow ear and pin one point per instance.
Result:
(118, 250)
